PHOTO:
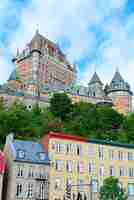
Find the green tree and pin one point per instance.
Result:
(111, 190)
(60, 105)
(110, 119)
(128, 128)
(83, 120)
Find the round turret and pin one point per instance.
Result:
(119, 91)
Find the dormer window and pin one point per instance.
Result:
(21, 154)
(42, 156)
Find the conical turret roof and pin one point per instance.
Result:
(95, 79)
(13, 76)
(36, 42)
(118, 83)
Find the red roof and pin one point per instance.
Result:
(66, 137)
(2, 162)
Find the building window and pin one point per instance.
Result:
(94, 186)
(19, 190)
(80, 184)
(130, 157)
(131, 189)
(69, 182)
(111, 154)
(58, 165)
(90, 168)
(57, 184)
(131, 172)
(122, 171)
(79, 150)
(21, 154)
(58, 147)
(101, 171)
(68, 148)
(120, 155)
(42, 190)
(30, 172)
(101, 154)
(91, 151)
(69, 166)
(111, 171)
(20, 171)
(80, 167)
(30, 190)
(42, 156)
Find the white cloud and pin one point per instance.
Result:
(71, 19)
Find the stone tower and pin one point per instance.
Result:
(95, 86)
(43, 63)
(120, 93)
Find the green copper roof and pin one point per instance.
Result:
(13, 76)
(95, 79)
(118, 83)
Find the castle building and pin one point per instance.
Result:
(27, 170)
(2, 172)
(41, 69)
(42, 62)
(83, 164)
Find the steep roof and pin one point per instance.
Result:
(39, 40)
(13, 76)
(28, 151)
(118, 83)
(95, 79)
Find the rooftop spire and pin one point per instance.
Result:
(95, 79)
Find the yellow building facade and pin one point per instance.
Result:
(84, 164)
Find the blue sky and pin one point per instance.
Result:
(95, 34)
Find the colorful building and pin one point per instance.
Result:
(2, 172)
(84, 164)
(27, 170)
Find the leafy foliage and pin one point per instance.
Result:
(82, 118)
(111, 190)
(60, 105)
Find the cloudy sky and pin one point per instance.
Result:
(95, 34)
